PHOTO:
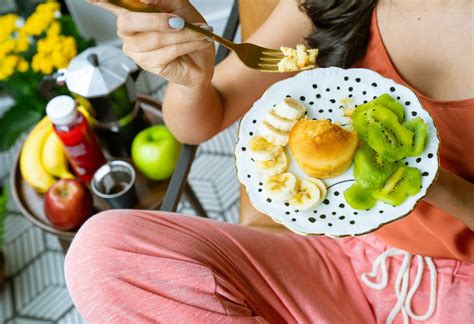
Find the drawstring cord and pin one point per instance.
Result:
(402, 291)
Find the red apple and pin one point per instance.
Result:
(68, 204)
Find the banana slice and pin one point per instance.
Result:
(290, 109)
(306, 196)
(280, 187)
(321, 186)
(272, 167)
(279, 122)
(262, 150)
(272, 134)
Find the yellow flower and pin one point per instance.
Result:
(54, 52)
(41, 19)
(54, 29)
(9, 25)
(47, 67)
(50, 6)
(6, 47)
(22, 42)
(7, 68)
(42, 64)
(35, 63)
(23, 65)
(59, 60)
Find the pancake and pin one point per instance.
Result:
(322, 149)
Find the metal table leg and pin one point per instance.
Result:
(194, 201)
(178, 183)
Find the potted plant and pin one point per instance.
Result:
(30, 49)
(3, 215)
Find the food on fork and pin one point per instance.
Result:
(262, 150)
(269, 168)
(290, 108)
(306, 196)
(297, 59)
(280, 187)
(321, 148)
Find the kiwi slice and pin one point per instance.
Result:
(391, 103)
(359, 197)
(403, 183)
(367, 114)
(390, 139)
(371, 169)
(418, 127)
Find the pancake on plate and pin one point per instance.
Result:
(321, 148)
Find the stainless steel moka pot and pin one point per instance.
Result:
(105, 77)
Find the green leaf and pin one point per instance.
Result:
(14, 122)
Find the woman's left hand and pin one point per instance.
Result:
(454, 195)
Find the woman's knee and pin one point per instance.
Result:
(93, 246)
(106, 237)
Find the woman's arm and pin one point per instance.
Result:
(195, 114)
(201, 99)
(454, 195)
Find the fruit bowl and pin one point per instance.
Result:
(31, 203)
(321, 91)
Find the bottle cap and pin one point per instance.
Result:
(62, 110)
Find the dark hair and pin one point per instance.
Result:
(342, 29)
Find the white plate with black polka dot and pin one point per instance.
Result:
(321, 91)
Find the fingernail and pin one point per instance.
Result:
(176, 23)
(206, 27)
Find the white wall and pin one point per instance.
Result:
(94, 22)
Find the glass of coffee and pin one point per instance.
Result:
(115, 183)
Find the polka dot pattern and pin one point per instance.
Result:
(321, 91)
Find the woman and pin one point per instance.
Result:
(142, 266)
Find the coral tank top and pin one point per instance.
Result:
(428, 230)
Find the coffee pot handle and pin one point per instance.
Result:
(49, 82)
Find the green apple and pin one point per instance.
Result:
(155, 152)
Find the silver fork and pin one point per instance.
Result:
(253, 56)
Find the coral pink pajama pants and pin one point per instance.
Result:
(140, 267)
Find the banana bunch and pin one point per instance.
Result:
(42, 158)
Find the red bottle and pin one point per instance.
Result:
(80, 143)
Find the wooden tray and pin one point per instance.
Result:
(150, 193)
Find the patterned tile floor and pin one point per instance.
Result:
(36, 291)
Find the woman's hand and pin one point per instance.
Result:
(158, 43)
(454, 195)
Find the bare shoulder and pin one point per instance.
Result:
(431, 44)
